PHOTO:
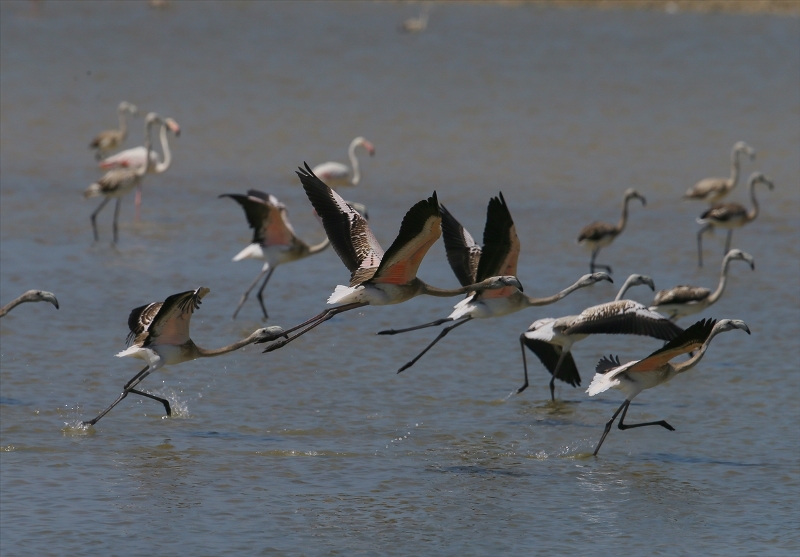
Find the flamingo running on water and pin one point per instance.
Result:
(159, 335)
(378, 278)
(634, 377)
(274, 239)
(600, 234)
(714, 189)
(109, 140)
(336, 174)
(471, 264)
(551, 339)
(29, 296)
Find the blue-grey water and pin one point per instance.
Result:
(320, 448)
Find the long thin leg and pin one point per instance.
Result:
(437, 339)
(555, 374)
(609, 424)
(260, 294)
(624, 426)
(163, 401)
(126, 389)
(425, 326)
(116, 218)
(94, 217)
(700, 233)
(593, 265)
(312, 323)
(247, 292)
(524, 362)
(728, 241)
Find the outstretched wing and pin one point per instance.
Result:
(266, 216)
(171, 324)
(463, 253)
(140, 318)
(421, 227)
(549, 354)
(607, 363)
(501, 247)
(623, 317)
(689, 340)
(349, 233)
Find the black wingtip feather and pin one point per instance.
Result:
(607, 363)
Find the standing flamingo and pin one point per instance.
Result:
(714, 189)
(135, 157)
(730, 215)
(118, 181)
(274, 240)
(159, 335)
(29, 296)
(600, 234)
(634, 377)
(471, 264)
(377, 278)
(552, 339)
(109, 140)
(684, 300)
(336, 174)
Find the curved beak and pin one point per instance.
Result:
(50, 297)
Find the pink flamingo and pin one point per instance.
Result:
(336, 174)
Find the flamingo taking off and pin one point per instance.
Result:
(109, 140)
(730, 215)
(551, 339)
(29, 296)
(118, 181)
(136, 156)
(274, 240)
(471, 264)
(159, 335)
(336, 174)
(684, 300)
(714, 189)
(634, 377)
(378, 278)
(600, 234)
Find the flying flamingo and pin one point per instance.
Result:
(551, 339)
(274, 240)
(730, 215)
(634, 377)
(29, 296)
(471, 264)
(135, 157)
(109, 140)
(600, 234)
(378, 278)
(119, 181)
(714, 189)
(336, 174)
(159, 335)
(684, 300)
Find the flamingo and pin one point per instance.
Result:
(274, 239)
(377, 278)
(417, 24)
(730, 215)
(470, 264)
(336, 174)
(30, 296)
(117, 182)
(551, 339)
(600, 234)
(159, 335)
(714, 189)
(634, 377)
(136, 156)
(684, 300)
(109, 140)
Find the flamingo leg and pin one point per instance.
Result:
(137, 202)
(609, 424)
(593, 265)
(94, 217)
(128, 388)
(700, 233)
(310, 324)
(247, 292)
(426, 325)
(728, 241)
(524, 363)
(437, 339)
(116, 218)
(555, 374)
(624, 426)
(163, 401)
(260, 294)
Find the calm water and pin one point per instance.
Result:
(320, 448)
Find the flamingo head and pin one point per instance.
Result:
(128, 107)
(41, 296)
(631, 193)
(173, 126)
(724, 325)
(744, 148)
(268, 334)
(636, 280)
(588, 280)
(370, 148)
(757, 177)
(744, 256)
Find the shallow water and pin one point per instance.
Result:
(320, 448)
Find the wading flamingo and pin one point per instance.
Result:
(109, 140)
(714, 189)
(634, 377)
(378, 278)
(159, 335)
(600, 234)
(336, 174)
(30, 296)
(274, 240)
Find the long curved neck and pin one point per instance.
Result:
(734, 166)
(148, 145)
(205, 353)
(694, 360)
(555, 297)
(429, 290)
(164, 165)
(723, 278)
(753, 213)
(316, 248)
(123, 124)
(354, 163)
(13, 303)
(625, 287)
(624, 218)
